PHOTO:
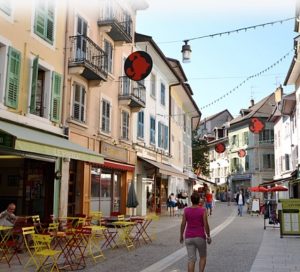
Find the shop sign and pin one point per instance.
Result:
(6, 140)
(114, 152)
(290, 217)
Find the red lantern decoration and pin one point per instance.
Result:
(220, 148)
(256, 125)
(138, 65)
(242, 153)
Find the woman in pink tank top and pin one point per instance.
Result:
(195, 225)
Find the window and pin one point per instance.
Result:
(153, 86)
(235, 140)
(247, 163)
(45, 97)
(235, 165)
(163, 136)
(79, 103)
(268, 161)
(266, 136)
(13, 78)
(105, 120)
(162, 94)
(287, 161)
(125, 125)
(5, 6)
(179, 151)
(44, 20)
(245, 138)
(109, 52)
(140, 132)
(152, 130)
(81, 42)
(184, 122)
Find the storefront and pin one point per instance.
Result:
(156, 195)
(240, 182)
(34, 169)
(109, 182)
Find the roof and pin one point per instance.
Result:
(144, 38)
(263, 108)
(215, 115)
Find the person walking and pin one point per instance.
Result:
(195, 226)
(240, 200)
(228, 197)
(208, 202)
(172, 202)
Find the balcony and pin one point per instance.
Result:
(132, 93)
(88, 57)
(119, 21)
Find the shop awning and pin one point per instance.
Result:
(118, 166)
(166, 169)
(35, 141)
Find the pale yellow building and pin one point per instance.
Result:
(34, 151)
(99, 101)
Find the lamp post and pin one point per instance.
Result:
(186, 52)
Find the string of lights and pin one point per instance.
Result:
(186, 48)
(231, 31)
(236, 87)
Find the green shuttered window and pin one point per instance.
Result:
(44, 20)
(56, 97)
(13, 78)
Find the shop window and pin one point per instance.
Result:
(116, 192)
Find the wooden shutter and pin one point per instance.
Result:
(159, 134)
(13, 78)
(56, 97)
(35, 70)
(166, 141)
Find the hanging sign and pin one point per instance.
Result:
(138, 65)
(242, 153)
(256, 125)
(220, 148)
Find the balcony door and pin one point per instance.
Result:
(81, 48)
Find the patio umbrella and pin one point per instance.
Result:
(278, 188)
(131, 198)
(258, 189)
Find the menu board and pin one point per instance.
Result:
(290, 217)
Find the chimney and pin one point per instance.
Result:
(252, 102)
(278, 94)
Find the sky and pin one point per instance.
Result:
(222, 63)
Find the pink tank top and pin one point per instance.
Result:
(194, 222)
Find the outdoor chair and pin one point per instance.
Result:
(43, 251)
(38, 226)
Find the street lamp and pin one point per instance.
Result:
(186, 52)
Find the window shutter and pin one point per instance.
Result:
(159, 134)
(56, 97)
(166, 137)
(35, 69)
(13, 78)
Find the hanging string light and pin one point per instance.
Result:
(186, 48)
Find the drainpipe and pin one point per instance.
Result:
(170, 86)
(65, 81)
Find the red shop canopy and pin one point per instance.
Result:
(118, 166)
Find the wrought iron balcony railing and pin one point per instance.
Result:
(133, 91)
(86, 53)
(120, 21)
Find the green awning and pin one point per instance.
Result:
(35, 141)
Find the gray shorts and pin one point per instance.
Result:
(193, 244)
